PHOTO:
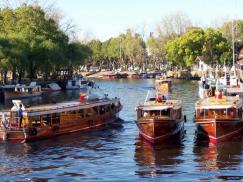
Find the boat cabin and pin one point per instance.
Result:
(213, 108)
(160, 110)
(60, 114)
(163, 85)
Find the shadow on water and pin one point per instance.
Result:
(159, 158)
(48, 158)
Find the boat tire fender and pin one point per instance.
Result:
(34, 131)
(185, 120)
(210, 93)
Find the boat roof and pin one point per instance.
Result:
(153, 105)
(66, 106)
(225, 102)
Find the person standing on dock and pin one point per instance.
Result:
(20, 115)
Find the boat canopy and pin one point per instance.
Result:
(153, 108)
(216, 107)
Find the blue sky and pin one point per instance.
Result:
(108, 18)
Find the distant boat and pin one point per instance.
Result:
(45, 121)
(163, 85)
(110, 75)
(134, 75)
(219, 118)
(157, 120)
(52, 87)
(79, 83)
(21, 90)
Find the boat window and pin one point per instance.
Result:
(96, 110)
(231, 112)
(107, 108)
(83, 82)
(88, 112)
(240, 112)
(203, 112)
(55, 118)
(178, 113)
(165, 112)
(73, 112)
(155, 113)
(46, 120)
(102, 109)
(112, 106)
(36, 122)
(81, 112)
(73, 83)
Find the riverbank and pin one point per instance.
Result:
(183, 75)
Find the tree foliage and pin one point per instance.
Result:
(32, 43)
(210, 44)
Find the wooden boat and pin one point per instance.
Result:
(163, 85)
(110, 75)
(159, 120)
(45, 121)
(219, 118)
(21, 91)
(239, 65)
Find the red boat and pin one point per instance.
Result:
(219, 118)
(158, 120)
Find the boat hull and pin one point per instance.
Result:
(155, 130)
(22, 135)
(219, 130)
(17, 95)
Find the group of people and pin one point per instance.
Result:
(19, 116)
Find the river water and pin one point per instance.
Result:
(117, 152)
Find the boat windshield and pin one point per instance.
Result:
(152, 113)
(217, 113)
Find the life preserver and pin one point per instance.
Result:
(210, 93)
(33, 131)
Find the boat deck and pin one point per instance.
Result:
(64, 105)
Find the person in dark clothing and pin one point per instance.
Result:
(20, 115)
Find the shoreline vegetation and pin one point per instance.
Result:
(35, 46)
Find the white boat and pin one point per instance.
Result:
(79, 83)
(52, 87)
(21, 90)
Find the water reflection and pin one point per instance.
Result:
(161, 158)
(48, 158)
(224, 155)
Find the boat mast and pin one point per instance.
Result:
(233, 45)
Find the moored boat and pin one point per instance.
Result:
(79, 83)
(21, 91)
(163, 85)
(157, 120)
(45, 121)
(52, 87)
(219, 118)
